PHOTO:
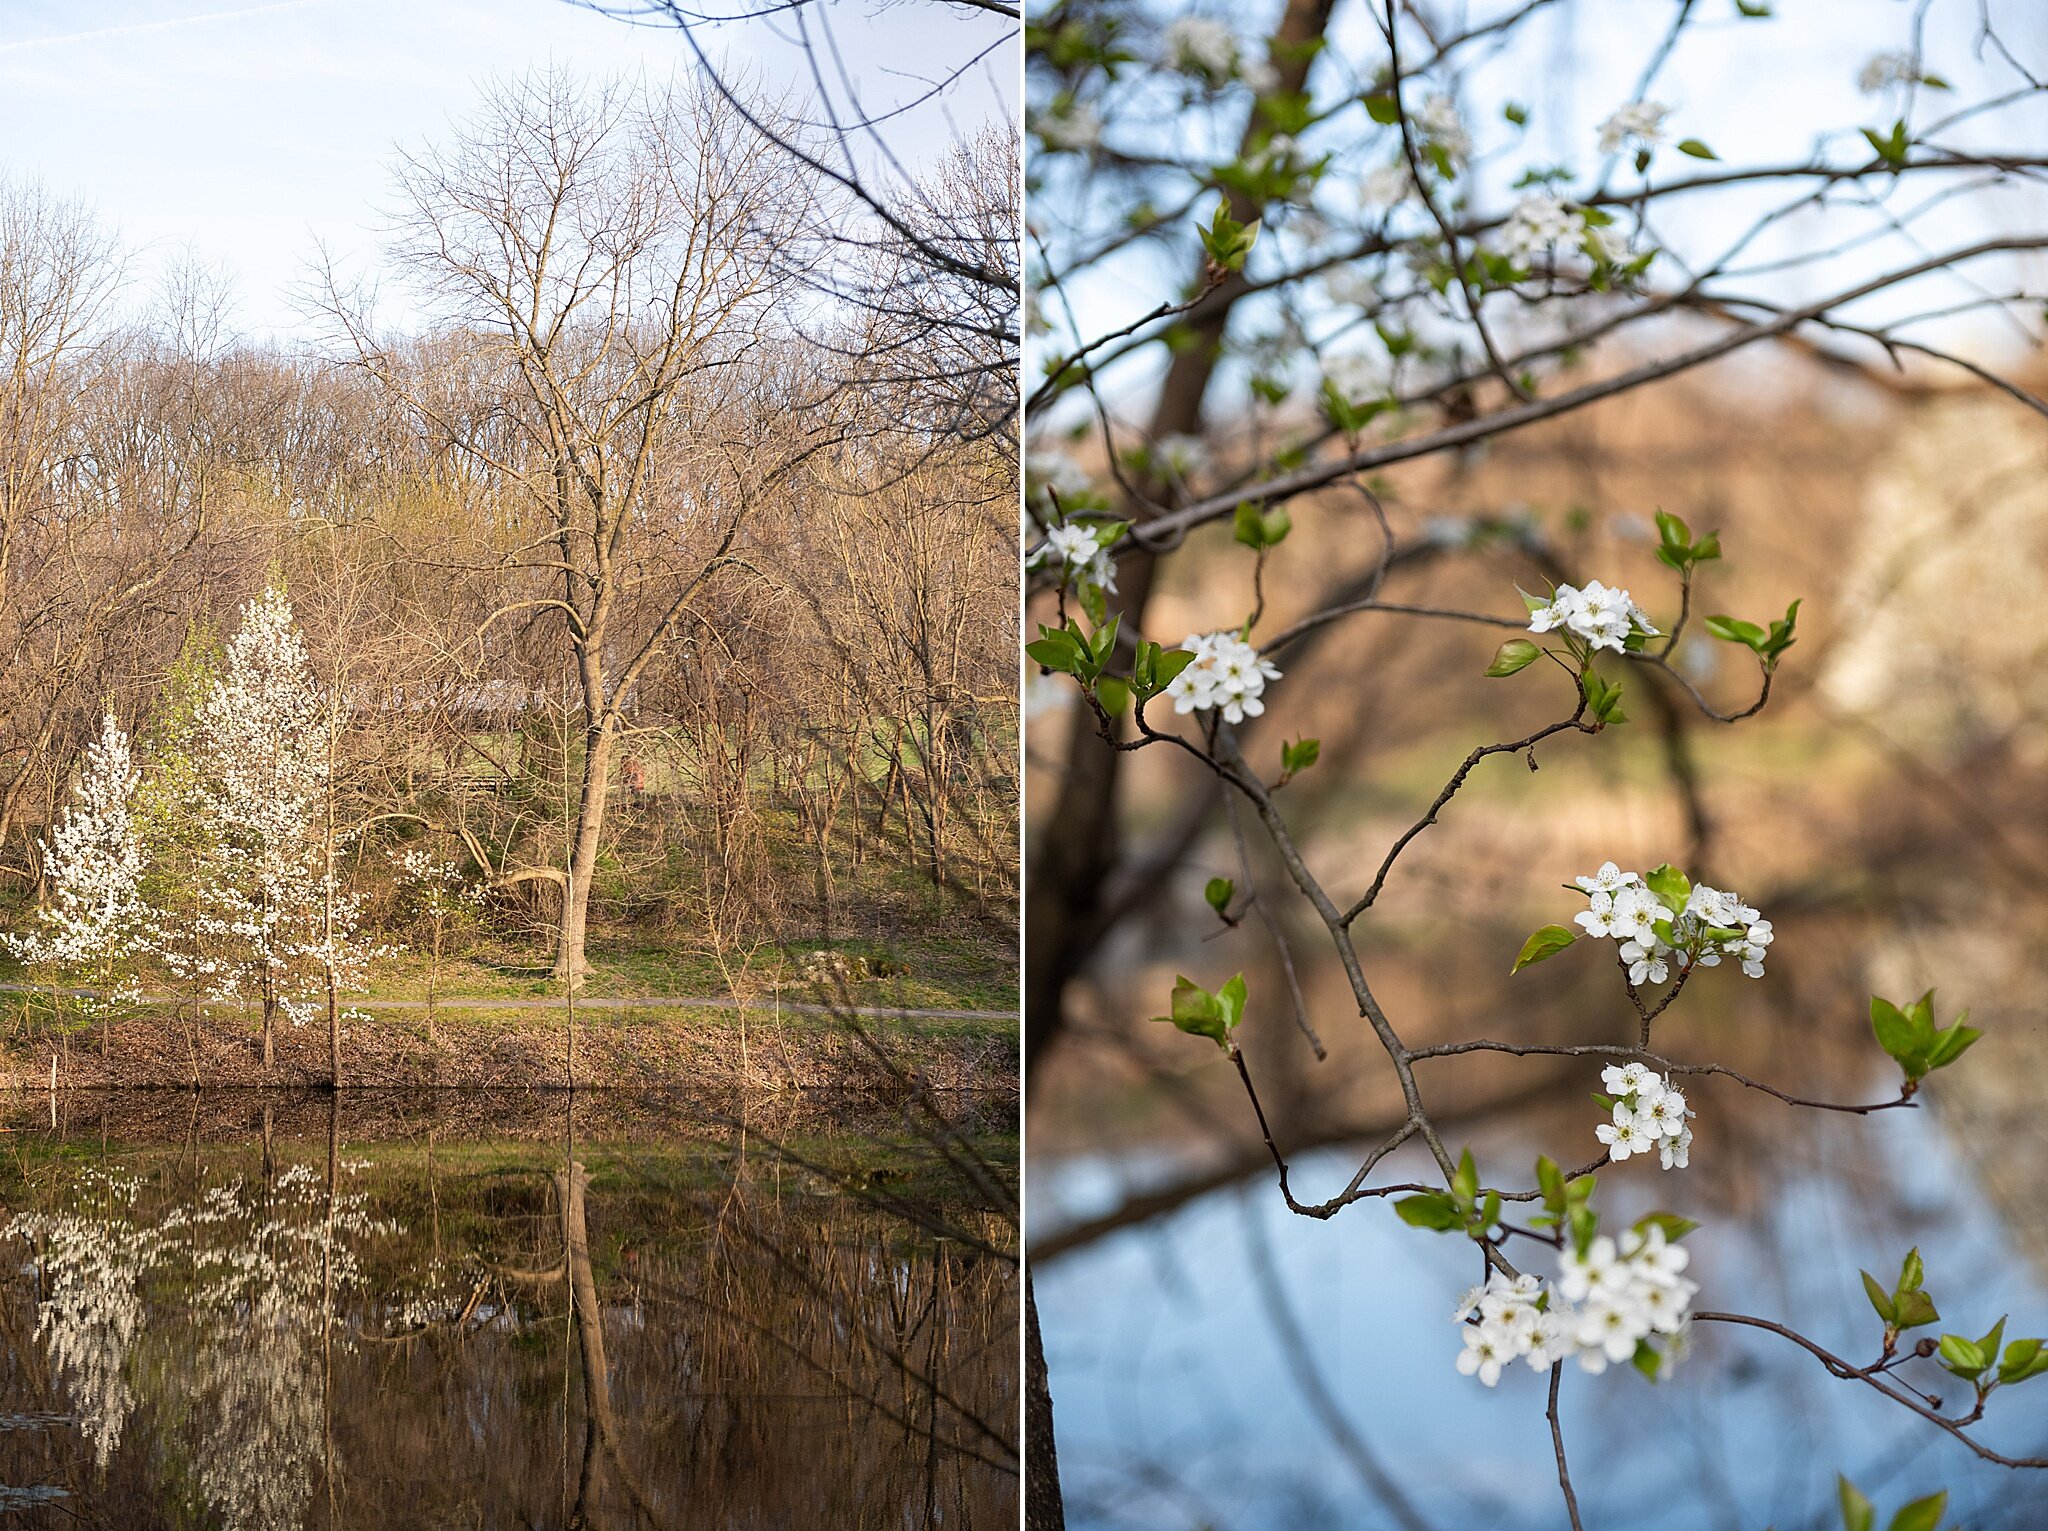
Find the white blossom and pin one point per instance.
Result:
(1200, 45)
(1183, 456)
(1226, 675)
(94, 863)
(1608, 879)
(1624, 1136)
(1602, 616)
(1081, 554)
(1076, 129)
(1389, 185)
(1539, 221)
(1610, 242)
(1649, 1115)
(1882, 70)
(1639, 124)
(1051, 476)
(1444, 126)
(1603, 1305)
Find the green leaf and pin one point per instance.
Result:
(1227, 241)
(1196, 1011)
(1383, 108)
(1894, 1031)
(1646, 1359)
(1547, 942)
(1114, 694)
(1922, 1514)
(1735, 630)
(1696, 149)
(1858, 1513)
(1465, 1184)
(1299, 756)
(1550, 1180)
(2023, 1359)
(1430, 1209)
(1261, 530)
(1990, 1342)
(1057, 650)
(1218, 892)
(1880, 1299)
(1912, 1271)
(1951, 1044)
(1514, 655)
(1674, 1226)
(1170, 664)
(1961, 1356)
(1671, 886)
(1755, 9)
(1915, 1309)
(1230, 1000)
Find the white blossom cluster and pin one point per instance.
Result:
(1204, 46)
(94, 863)
(1443, 125)
(1604, 616)
(1075, 130)
(1388, 185)
(1540, 221)
(1184, 456)
(1883, 70)
(1053, 482)
(439, 887)
(1622, 908)
(1077, 550)
(1602, 1306)
(1638, 125)
(1650, 1116)
(271, 915)
(1226, 675)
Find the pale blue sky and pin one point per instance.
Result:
(248, 131)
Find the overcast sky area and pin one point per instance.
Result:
(249, 133)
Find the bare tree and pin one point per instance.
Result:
(609, 252)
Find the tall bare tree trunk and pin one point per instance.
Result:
(595, 784)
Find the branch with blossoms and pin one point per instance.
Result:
(1618, 1297)
(1383, 272)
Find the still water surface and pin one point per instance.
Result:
(243, 1314)
(1181, 1401)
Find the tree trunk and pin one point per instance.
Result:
(1044, 1508)
(597, 762)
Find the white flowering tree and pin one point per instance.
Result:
(96, 921)
(1266, 269)
(273, 922)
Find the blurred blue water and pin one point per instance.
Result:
(1176, 1406)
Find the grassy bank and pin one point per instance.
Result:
(480, 1047)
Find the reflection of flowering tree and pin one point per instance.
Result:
(256, 1273)
(92, 1259)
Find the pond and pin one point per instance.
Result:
(256, 1313)
(1232, 1365)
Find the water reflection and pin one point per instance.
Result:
(353, 1314)
(1231, 1365)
